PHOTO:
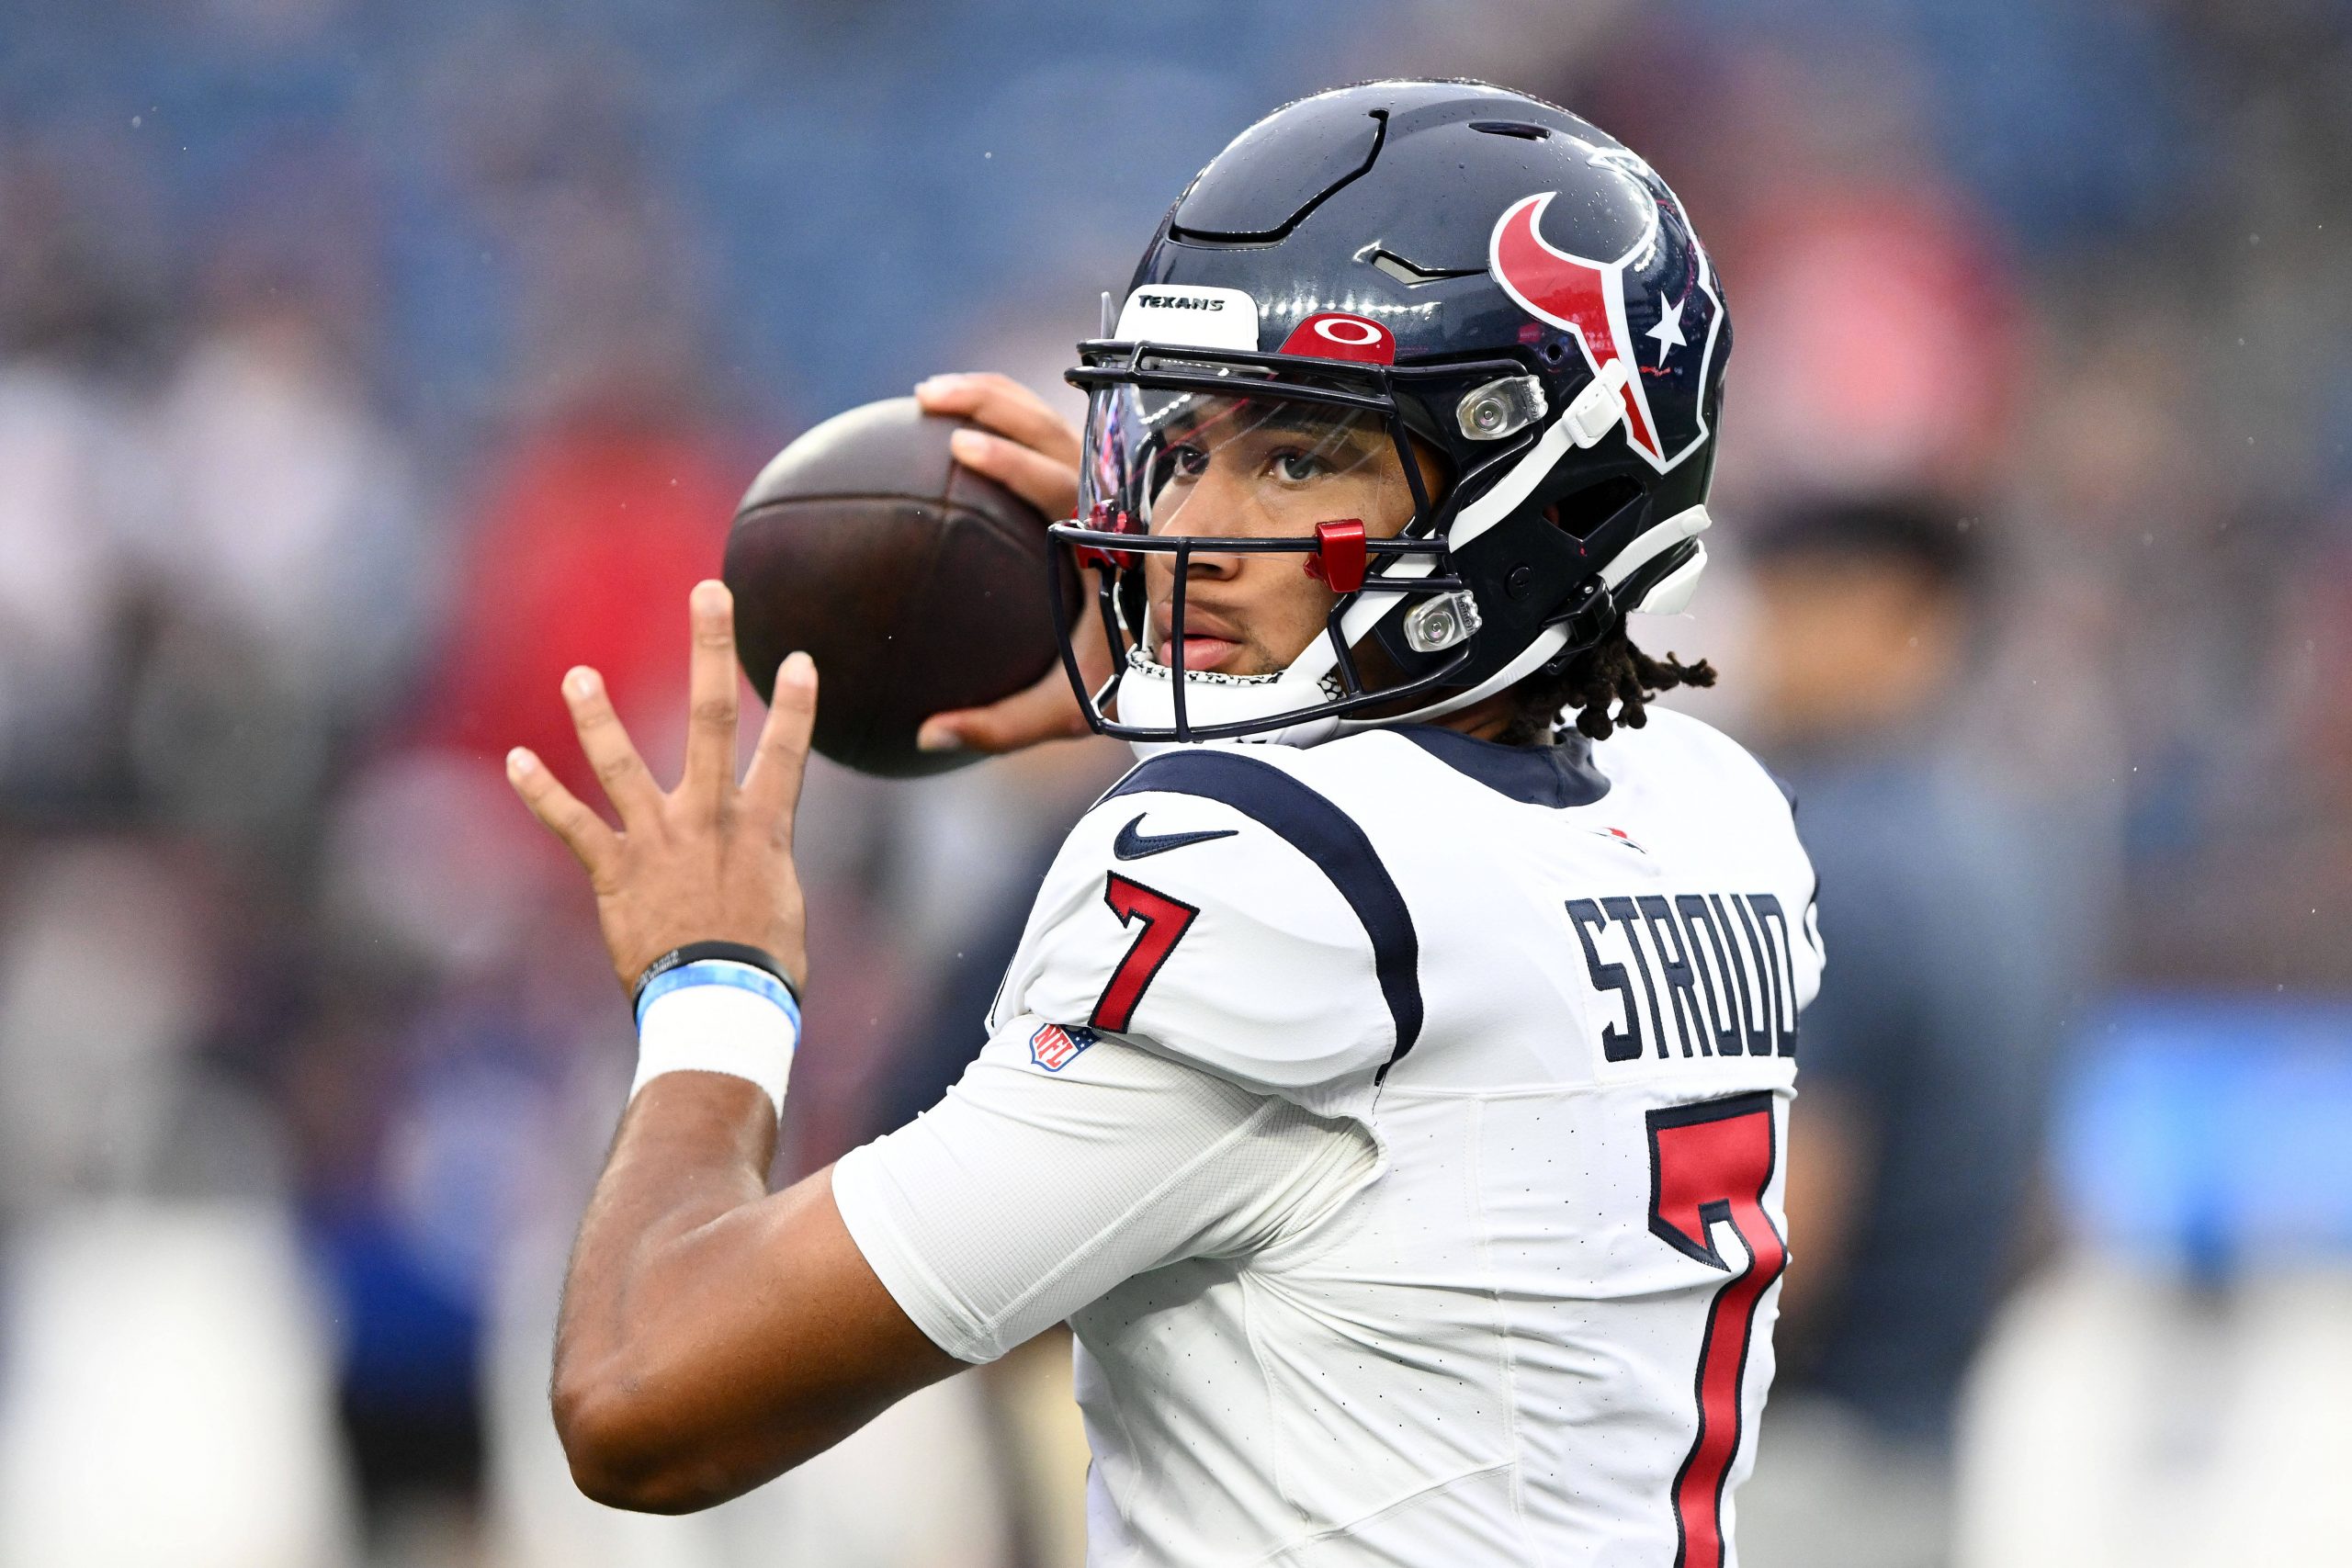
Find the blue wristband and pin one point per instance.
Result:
(715, 1015)
(717, 972)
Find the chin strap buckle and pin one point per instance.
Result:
(1594, 412)
(1338, 558)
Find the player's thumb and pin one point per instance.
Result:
(942, 732)
(970, 729)
(1023, 719)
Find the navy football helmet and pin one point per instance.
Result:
(1442, 266)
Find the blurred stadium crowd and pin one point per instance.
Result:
(363, 366)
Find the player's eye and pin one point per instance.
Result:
(1189, 461)
(1294, 467)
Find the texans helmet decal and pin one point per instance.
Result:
(1655, 309)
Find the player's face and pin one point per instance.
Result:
(1237, 468)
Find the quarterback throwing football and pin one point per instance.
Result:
(1406, 1039)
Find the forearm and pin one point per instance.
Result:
(691, 1149)
(654, 1268)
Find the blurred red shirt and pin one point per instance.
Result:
(589, 537)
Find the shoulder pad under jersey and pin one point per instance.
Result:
(1217, 909)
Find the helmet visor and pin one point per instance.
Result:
(1261, 463)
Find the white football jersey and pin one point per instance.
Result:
(1558, 988)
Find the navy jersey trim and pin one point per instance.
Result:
(1323, 834)
(1556, 775)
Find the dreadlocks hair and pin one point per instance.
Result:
(1611, 672)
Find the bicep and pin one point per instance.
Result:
(848, 1344)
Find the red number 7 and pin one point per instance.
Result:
(1164, 921)
(1709, 1165)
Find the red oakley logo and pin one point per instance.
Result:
(1334, 334)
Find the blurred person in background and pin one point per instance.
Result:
(288, 559)
(78, 308)
(1927, 1064)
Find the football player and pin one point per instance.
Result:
(1389, 1089)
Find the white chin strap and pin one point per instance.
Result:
(1147, 696)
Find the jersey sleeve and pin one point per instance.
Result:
(1214, 908)
(1064, 1164)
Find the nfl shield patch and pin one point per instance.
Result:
(1052, 1047)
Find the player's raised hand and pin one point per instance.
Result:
(1023, 444)
(711, 860)
(1032, 451)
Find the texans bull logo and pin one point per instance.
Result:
(1654, 308)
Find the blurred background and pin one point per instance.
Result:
(363, 366)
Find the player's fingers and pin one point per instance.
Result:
(1046, 484)
(583, 832)
(712, 696)
(771, 788)
(619, 769)
(1005, 406)
(1046, 711)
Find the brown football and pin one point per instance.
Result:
(916, 584)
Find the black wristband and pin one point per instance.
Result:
(696, 952)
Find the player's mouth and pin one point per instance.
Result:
(1208, 644)
(1204, 653)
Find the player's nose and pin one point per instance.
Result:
(1202, 518)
